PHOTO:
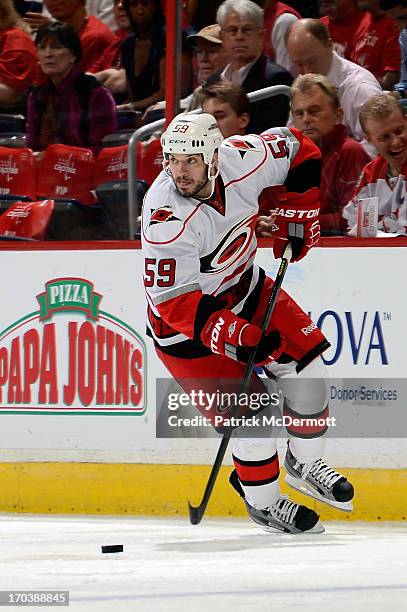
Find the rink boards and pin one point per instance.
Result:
(75, 438)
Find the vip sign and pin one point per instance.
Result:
(71, 357)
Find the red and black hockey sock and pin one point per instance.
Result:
(258, 480)
(306, 425)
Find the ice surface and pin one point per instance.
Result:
(169, 565)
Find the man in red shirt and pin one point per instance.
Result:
(95, 37)
(344, 22)
(363, 34)
(317, 113)
(378, 48)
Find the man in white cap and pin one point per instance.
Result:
(211, 58)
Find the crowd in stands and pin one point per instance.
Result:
(78, 76)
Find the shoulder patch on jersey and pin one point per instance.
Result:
(162, 215)
(243, 146)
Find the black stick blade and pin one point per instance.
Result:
(195, 514)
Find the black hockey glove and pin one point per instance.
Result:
(269, 348)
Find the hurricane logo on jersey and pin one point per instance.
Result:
(241, 145)
(231, 249)
(162, 215)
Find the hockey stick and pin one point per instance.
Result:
(196, 512)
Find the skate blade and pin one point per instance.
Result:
(318, 528)
(301, 485)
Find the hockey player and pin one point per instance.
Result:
(206, 297)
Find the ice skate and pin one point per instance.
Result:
(282, 516)
(320, 481)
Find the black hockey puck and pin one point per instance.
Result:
(113, 548)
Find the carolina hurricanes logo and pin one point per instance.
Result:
(241, 145)
(162, 215)
(231, 248)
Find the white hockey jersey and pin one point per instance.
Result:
(193, 247)
(391, 192)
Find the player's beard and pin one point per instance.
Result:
(193, 188)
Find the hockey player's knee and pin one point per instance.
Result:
(253, 449)
(307, 393)
(314, 394)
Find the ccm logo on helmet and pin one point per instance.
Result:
(215, 334)
(308, 330)
(300, 214)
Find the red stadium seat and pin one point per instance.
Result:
(150, 162)
(66, 172)
(17, 173)
(27, 220)
(111, 165)
(112, 188)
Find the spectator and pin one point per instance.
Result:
(317, 113)
(70, 108)
(378, 47)
(211, 58)
(230, 106)
(143, 55)
(397, 10)
(106, 66)
(362, 33)
(242, 33)
(210, 53)
(94, 35)
(310, 48)
(36, 15)
(344, 22)
(385, 125)
(17, 55)
(277, 18)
